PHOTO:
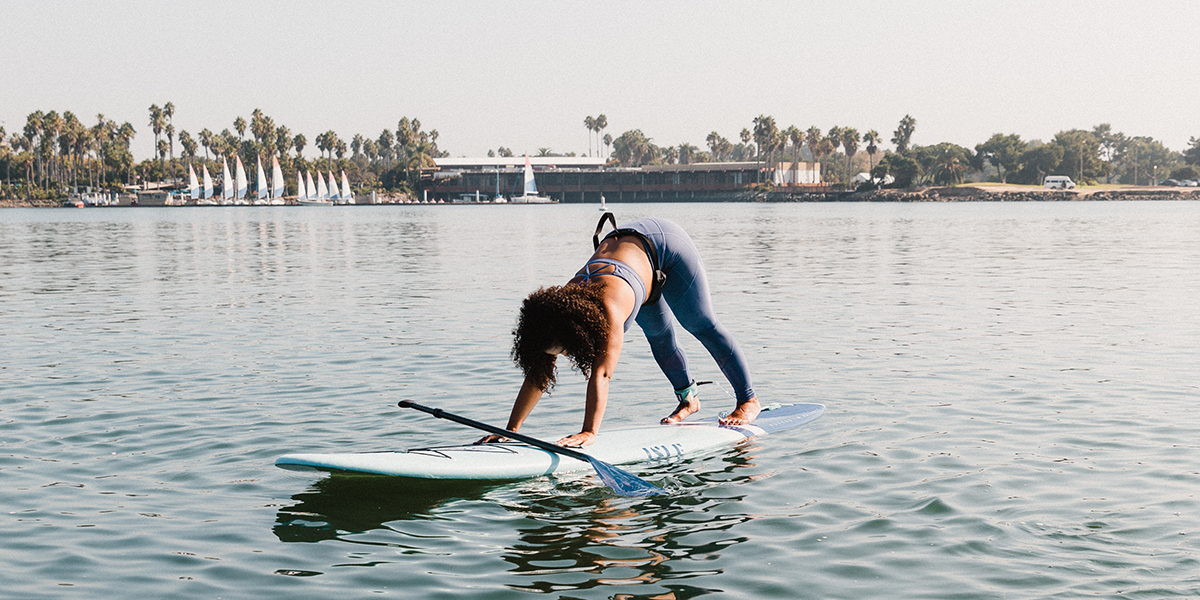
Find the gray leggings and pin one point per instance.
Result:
(685, 295)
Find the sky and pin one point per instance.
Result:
(525, 74)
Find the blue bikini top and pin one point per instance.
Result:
(623, 271)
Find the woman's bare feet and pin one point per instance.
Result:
(683, 411)
(744, 414)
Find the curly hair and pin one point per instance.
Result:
(571, 316)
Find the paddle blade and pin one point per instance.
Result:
(622, 482)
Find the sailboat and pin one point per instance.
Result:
(278, 191)
(262, 185)
(333, 190)
(241, 183)
(193, 185)
(530, 194)
(346, 195)
(226, 183)
(208, 189)
(313, 195)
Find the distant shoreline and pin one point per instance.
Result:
(962, 193)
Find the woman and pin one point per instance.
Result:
(587, 318)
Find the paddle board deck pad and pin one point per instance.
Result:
(514, 460)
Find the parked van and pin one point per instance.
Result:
(1058, 182)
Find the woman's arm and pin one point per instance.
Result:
(597, 388)
(527, 398)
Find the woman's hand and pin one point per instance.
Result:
(491, 439)
(578, 440)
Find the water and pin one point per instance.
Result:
(1011, 399)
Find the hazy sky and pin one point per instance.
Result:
(525, 74)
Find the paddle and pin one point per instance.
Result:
(621, 482)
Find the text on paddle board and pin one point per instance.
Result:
(660, 452)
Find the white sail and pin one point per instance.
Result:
(530, 184)
(241, 179)
(262, 181)
(208, 184)
(193, 185)
(277, 187)
(346, 195)
(301, 190)
(311, 194)
(322, 191)
(333, 191)
(226, 180)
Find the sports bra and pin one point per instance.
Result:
(623, 271)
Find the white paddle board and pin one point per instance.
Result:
(514, 460)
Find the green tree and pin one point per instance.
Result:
(1109, 143)
(1081, 155)
(1192, 155)
(1039, 161)
(1003, 151)
(903, 169)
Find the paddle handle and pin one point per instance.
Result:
(548, 447)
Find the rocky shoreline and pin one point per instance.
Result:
(965, 193)
(983, 194)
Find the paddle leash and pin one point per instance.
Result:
(621, 482)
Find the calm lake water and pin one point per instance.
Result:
(1011, 388)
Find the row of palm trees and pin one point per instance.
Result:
(57, 151)
(764, 142)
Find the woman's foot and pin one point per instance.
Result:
(683, 411)
(689, 402)
(744, 414)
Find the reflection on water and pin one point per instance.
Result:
(574, 534)
(343, 504)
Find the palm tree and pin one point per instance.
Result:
(608, 141)
(240, 125)
(904, 133)
(385, 147)
(157, 122)
(850, 145)
(872, 140)
(283, 140)
(714, 142)
(51, 128)
(300, 142)
(686, 153)
(797, 138)
(206, 140)
(189, 145)
(590, 123)
(601, 123)
(765, 135)
(833, 139)
(169, 115)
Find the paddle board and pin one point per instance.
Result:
(513, 460)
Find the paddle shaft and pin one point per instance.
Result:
(547, 446)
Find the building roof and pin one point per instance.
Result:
(500, 162)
